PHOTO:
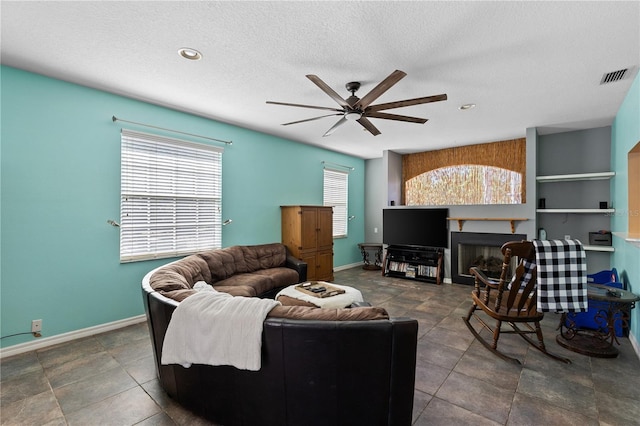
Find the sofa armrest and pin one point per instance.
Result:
(298, 265)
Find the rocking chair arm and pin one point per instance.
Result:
(480, 276)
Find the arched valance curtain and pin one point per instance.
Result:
(458, 166)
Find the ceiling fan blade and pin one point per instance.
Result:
(304, 106)
(328, 90)
(382, 87)
(310, 119)
(396, 117)
(369, 126)
(407, 102)
(335, 126)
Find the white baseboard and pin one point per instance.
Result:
(343, 267)
(634, 343)
(66, 337)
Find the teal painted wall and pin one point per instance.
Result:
(625, 134)
(60, 181)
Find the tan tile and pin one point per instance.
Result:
(35, 410)
(23, 386)
(126, 408)
(93, 389)
(18, 365)
(443, 413)
(477, 396)
(526, 411)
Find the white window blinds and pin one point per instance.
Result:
(171, 197)
(336, 184)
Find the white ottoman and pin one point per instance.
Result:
(343, 300)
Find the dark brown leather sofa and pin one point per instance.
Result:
(346, 370)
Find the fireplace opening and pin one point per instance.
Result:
(478, 249)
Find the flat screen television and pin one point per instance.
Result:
(415, 226)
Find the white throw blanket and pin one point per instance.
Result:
(215, 328)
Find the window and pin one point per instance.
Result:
(464, 184)
(171, 197)
(336, 184)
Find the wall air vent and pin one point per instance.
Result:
(610, 77)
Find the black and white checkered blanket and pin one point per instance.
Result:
(562, 276)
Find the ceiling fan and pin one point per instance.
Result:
(360, 110)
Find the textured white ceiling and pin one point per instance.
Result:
(525, 64)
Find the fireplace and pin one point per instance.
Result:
(478, 249)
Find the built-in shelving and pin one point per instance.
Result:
(576, 177)
(599, 248)
(585, 211)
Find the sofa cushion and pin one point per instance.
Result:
(264, 256)
(323, 314)
(292, 301)
(260, 283)
(182, 274)
(280, 276)
(237, 290)
(224, 263)
(178, 295)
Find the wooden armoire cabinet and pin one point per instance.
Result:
(307, 231)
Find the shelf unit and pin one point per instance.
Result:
(419, 263)
(574, 178)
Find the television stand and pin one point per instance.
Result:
(413, 262)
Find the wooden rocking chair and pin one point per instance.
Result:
(510, 300)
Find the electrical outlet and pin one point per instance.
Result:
(36, 326)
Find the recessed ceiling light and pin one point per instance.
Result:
(467, 106)
(191, 54)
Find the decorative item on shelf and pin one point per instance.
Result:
(542, 234)
(542, 203)
(604, 205)
(411, 272)
(600, 238)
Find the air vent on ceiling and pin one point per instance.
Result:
(610, 77)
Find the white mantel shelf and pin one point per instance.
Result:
(512, 220)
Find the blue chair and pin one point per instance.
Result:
(587, 319)
(604, 277)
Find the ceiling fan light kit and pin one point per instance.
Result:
(353, 115)
(360, 109)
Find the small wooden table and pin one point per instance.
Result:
(377, 249)
(613, 304)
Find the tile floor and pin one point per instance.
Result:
(109, 379)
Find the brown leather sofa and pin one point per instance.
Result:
(353, 366)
